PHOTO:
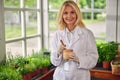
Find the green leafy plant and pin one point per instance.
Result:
(108, 50)
(8, 73)
(100, 59)
(24, 65)
(18, 63)
(42, 58)
(45, 61)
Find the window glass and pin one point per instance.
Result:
(31, 22)
(94, 15)
(30, 3)
(84, 4)
(12, 3)
(101, 4)
(20, 27)
(52, 25)
(14, 49)
(12, 24)
(52, 21)
(32, 46)
(55, 4)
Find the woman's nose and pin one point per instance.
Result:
(68, 15)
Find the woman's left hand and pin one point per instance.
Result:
(74, 57)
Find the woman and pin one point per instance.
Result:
(76, 37)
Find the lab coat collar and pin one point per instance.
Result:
(77, 31)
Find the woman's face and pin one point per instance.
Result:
(69, 16)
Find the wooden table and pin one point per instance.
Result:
(104, 74)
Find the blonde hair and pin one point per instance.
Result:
(60, 20)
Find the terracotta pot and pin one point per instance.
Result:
(26, 77)
(37, 71)
(30, 75)
(106, 64)
(66, 53)
(44, 70)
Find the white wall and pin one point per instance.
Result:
(118, 32)
(2, 33)
(113, 20)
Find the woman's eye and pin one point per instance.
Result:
(72, 12)
(65, 12)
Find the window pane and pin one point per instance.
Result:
(33, 46)
(31, 22)
(12, 24)
(12, 3)
(100, 4)
(14, 49)
(55, 4)
(52, 26)
(30, 3)
(85, 4)
(94, 16)
(52, 21)
(97, 25)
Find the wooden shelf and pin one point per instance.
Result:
(47, 76)
(96, 73)
(104, 74)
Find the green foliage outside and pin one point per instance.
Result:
(54, 3)
(53, 26)
(100, 4)
(97, 3)
(16, 3)
(15, 31)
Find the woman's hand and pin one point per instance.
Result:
(74, 57)
(60, 49)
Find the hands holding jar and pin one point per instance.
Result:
(68, 54)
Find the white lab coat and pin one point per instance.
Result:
(83, 45)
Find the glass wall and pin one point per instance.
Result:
(94, 15)
(24, 23)
(21, 27)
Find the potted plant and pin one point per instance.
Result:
(100, 59)
(109, 51)
(115, 64)
(45, 63)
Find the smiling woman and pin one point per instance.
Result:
(78, 39)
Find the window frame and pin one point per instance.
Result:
(42, 32)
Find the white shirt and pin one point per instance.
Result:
(69, 34)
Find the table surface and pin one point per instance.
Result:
(102, 73)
